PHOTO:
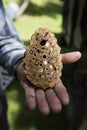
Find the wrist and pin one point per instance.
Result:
(16, 67)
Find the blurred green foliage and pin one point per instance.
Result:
(40, 13)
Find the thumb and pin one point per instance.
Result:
(71, 57)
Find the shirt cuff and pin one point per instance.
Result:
(18, 54)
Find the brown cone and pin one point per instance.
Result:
(42, 59)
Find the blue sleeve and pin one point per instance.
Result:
(11, 47)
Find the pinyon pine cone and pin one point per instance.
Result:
(42, 59)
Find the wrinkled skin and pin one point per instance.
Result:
(50, 99)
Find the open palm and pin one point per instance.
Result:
(50, 99)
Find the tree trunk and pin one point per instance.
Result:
(22, 9)
(75, 35)
(75, 23)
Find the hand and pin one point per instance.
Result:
(50, 99)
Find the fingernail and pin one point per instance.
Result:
(46, 111)
(31, 104)
(58, 109)
(66, 100)
(78, 55)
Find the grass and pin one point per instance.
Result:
(40, 13)
(44, 13)
(34, 22)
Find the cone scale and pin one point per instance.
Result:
(42, 61)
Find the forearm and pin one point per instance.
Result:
(11, 47)
(10, 53)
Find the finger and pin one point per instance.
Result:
(30, 96)
(54, 102)
(61, 92)
(71, 57)
(42, 102)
